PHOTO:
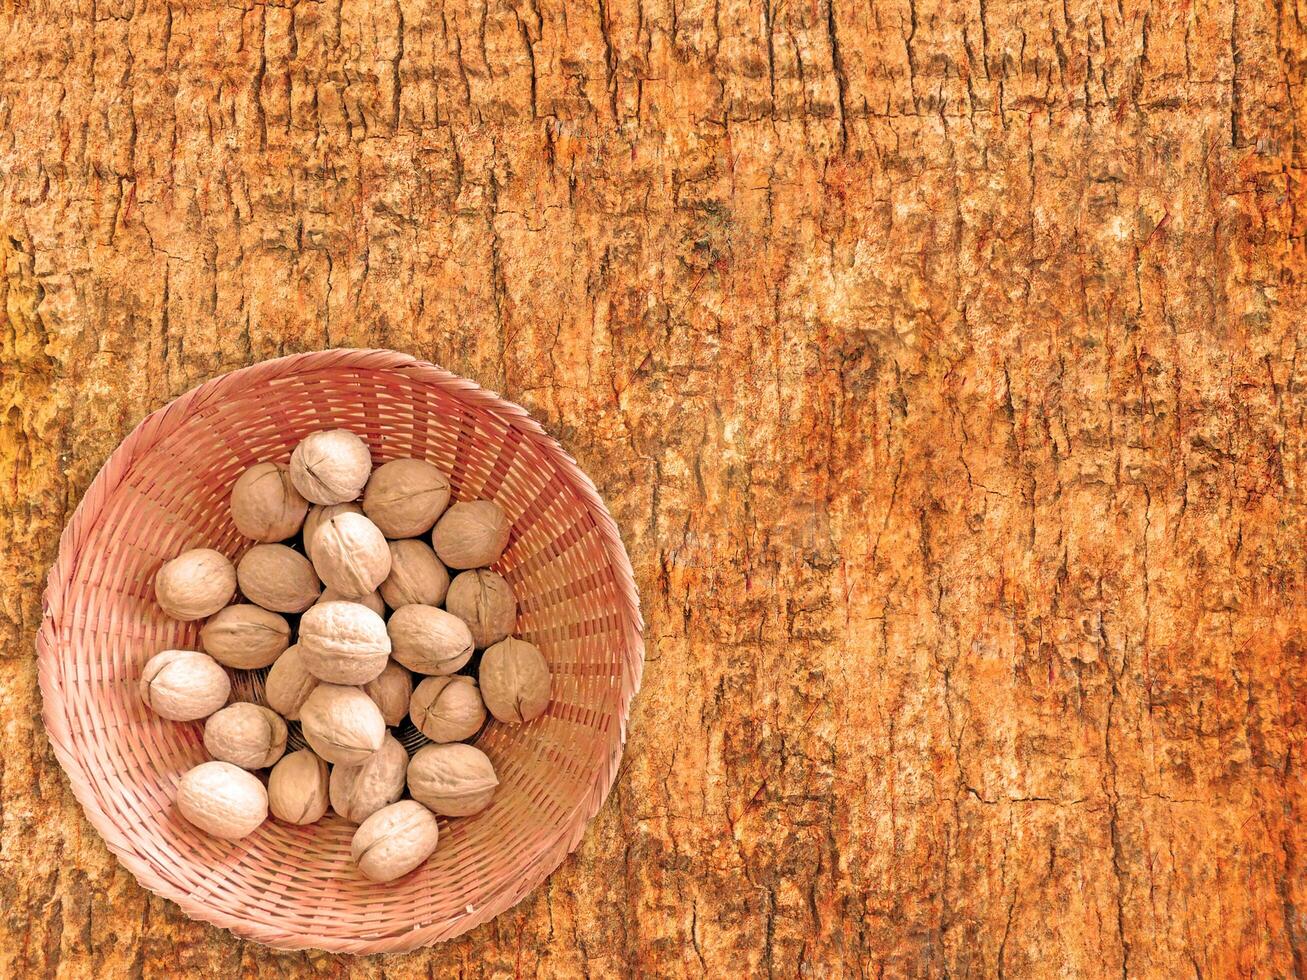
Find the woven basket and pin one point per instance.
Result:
(165, 489)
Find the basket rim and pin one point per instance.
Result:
(116, 469)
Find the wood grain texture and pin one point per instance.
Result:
(940, 362)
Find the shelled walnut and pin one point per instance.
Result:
(185, 685)
(447, 709)
(222, 800)
(265, 505)
(330, 467)
(471, 534)
(405, 496)
(195, 584)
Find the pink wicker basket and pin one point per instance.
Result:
(165, 489)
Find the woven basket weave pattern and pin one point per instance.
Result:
(165, 489)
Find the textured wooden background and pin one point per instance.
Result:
(939, 360)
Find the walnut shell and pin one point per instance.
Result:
(342, 724)
(416, 576)
(245, 637)
(278, 578)
(318, 515)
(184, 685)
(297, 788)
(471, 534)
(454, 780)
(246, 735)
(394, 840)
(265, 505)
(405, 496)
(330, 467)
(195, 584)
(372, 600)
(343, 642)
(222, 800)
(351, 554)
(391, 690)
(485, 601)
(447, 709)
(359, 791)
(429, 640)
(288, 684)
(514, 678)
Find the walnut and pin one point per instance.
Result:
(454, 780)
(288, 684)
(351, 554)
(195, 584)
(297, 788)
(265, 505)
(372, 600)
(405, 496)
(275, 577)
(484, 600)
(183, 685)
(222, 799)
(342, 724)
(245, 637)
(416, 576)
(246, 735)
(514, 681)
(394, 840)
(359, 791)
(471, 534)
(318, 515)
(429, 640)
(391, 690)
(447, 709)
(330, 467)
(343, 642)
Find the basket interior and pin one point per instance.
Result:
(296, 886)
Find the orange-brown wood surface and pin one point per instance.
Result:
(942, 363)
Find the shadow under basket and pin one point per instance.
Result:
(165, 489)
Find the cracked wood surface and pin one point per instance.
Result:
(939, 361)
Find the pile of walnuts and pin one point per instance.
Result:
(346, 673)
